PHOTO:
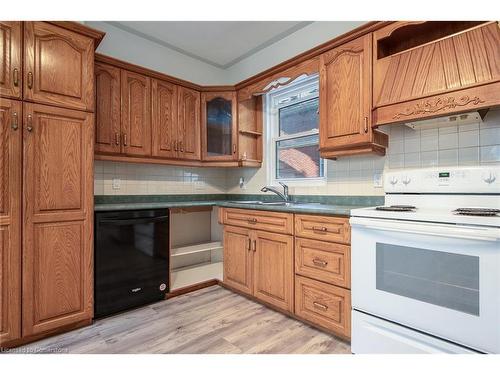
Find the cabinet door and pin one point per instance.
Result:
(189, 124)
(345, 95)
(136, 114)
(107, 109)
(57, 214)
(219, 125)
(238, 270)
(10, 220)
(273, 269)
(164, 119)
(10, 59)
(58, 66)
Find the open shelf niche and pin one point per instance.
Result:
(195, 246)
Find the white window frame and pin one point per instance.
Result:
(300, 87)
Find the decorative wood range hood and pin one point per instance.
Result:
(429, 69)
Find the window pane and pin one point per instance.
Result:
(298, 118)
(298, 158)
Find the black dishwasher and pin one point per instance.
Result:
(131, 259)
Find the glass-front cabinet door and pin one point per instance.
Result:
(219, 124)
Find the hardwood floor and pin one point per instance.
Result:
(210, 320)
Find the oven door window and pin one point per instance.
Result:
(440, 278)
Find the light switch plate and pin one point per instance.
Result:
(116, 184)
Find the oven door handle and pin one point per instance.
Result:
(142, 220)
(431, 229)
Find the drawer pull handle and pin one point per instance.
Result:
(252, 220)
(16, 77)
(320, 229)
(117, 139)
(319, 262)
(320, 306)
(15, 121)
(30, 80)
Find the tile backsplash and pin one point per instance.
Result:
(143, 179)
(463, 145)
(472, 144)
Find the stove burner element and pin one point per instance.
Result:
(396, 208)
(474, 211)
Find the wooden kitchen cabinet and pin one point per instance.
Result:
(108, 133)
(164, 119)
(10, 220)
(58, 66)
(189, 124)
(219, 126)
(273, 269)
(323, 304)
(259, 262)
(10, 59)
(345, 101)
(58, 217)
(136, 113)
(238, 259)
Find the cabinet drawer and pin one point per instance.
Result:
(323, 261)
(324, 228)
(278, 222)
(325, 305)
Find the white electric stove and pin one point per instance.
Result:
(426, 265)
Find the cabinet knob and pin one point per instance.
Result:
(366, 124)
(181, 146)
(125, 139)
(234, 148)
(117, 139)
(249, 244)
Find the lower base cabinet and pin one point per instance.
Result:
(260, 263)
(323, 304)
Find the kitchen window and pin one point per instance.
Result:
(293, 133)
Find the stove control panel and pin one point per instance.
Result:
(481, 179)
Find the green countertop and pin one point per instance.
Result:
(324, 205)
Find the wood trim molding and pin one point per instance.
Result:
(77, 27)
(308, 67)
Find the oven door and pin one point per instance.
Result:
(437, 278)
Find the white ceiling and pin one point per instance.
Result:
(219, 43)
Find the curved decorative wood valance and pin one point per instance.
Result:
(278, 79)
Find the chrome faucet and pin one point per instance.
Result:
(283, 195)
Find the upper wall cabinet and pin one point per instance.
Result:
(58, 66)
(189, 124)
(426, 69)
(10, 59)
(219, 125)
(345, 100)
(164, 119)
(136, 113)
(108, 134)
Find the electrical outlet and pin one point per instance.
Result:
(378, 180)
(116, 184)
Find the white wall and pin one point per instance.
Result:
(300, 41)
(131, 48)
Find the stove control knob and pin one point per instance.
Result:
(406, 180)
(393, 181)
(489, 177)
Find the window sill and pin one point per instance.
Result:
(313, 182)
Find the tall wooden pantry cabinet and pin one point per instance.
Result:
(46, 189)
